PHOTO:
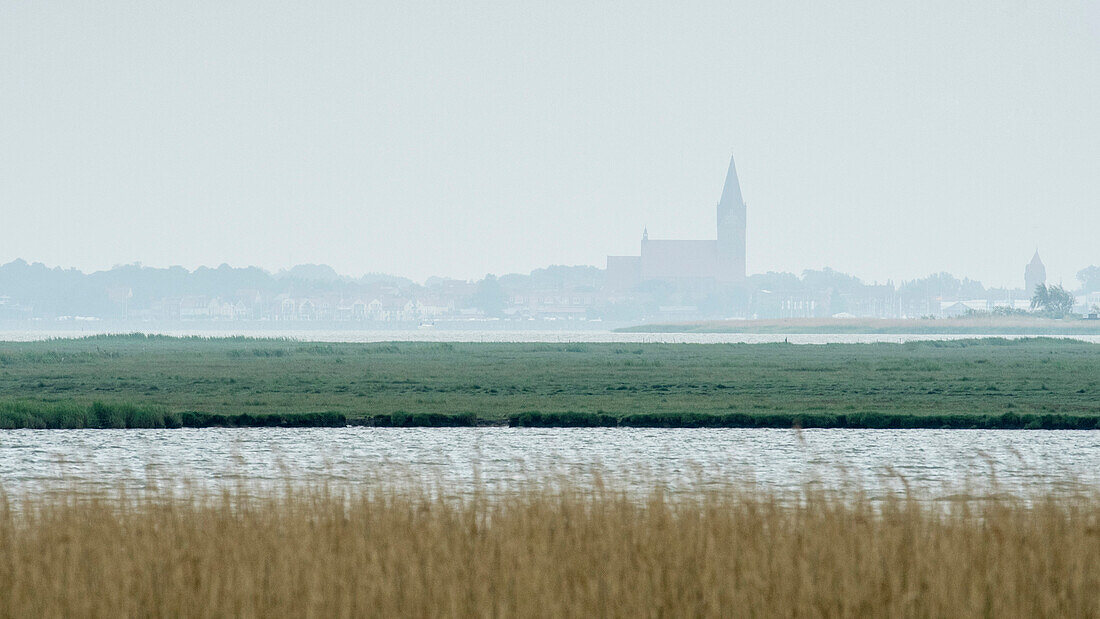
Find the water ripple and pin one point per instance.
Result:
(458, 458)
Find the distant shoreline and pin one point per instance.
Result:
(873, 326)
(131, 417)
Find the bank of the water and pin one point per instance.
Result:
(865, 421)
(100, 415)
(587, 336)
(17, 415)
(975, 326)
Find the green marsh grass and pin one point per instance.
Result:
(967, 383)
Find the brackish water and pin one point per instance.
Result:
(591, 336)
(940, 461)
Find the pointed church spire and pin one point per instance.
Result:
(731, 228)
(731, 191)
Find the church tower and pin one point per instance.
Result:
(1034, 274)
(731, 229)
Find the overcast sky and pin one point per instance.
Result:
(885, 139)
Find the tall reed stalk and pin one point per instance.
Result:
(545, 552)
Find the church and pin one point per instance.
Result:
(691, 263)
(1035, 274)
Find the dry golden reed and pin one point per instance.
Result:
(546, 553)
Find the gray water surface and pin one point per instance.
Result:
(941, 461)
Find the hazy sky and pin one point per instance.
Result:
(885, 139)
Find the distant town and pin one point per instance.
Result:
(565, 293)
(668, 280)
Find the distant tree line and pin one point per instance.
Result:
(53, 292)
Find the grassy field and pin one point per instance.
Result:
(979, 325)
(546, 553)
(240, 376)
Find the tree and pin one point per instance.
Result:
(489, 296)
(1090, 279)
(787, 283)
(1040, 298)
(1055, 301)
(944, 285)
(828, 279)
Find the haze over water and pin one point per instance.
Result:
(889, 140)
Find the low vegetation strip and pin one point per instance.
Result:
(14, 415)
(546, 552)
(1007, 421)
(272, 420)
(142, 381)
(563, 420)
(419, 420)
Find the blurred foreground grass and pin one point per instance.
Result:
(546, 551)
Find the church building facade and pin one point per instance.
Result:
(709, 262)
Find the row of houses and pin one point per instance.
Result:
(463, 300)
(954, 309)
(552, 304)
(888, 305)
(285, 307)
(382, 308)
(12, 310)
(875, 302)
(1086, 304)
